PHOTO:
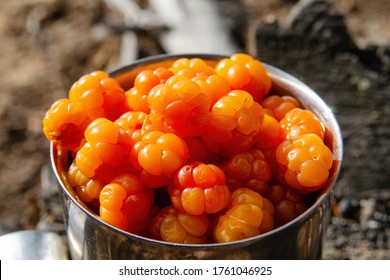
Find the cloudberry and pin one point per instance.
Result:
(248, 169)
(159, 153)
(138, 202)
(88, 189)
(111, 199)
(99, 95)
(144, 82)
(288, 204)
(174, 226)
(191, 67)
(213, 86)
(135, 124)
(298, 122)
(64, 123)
(106, 144)
(236, 120)
(278, 106)
(199, 188)
(270, 156)
(304, 162)
(270, 134)
(249, 214)
(179, 106)
(125, 203)
(197, 150)
(246, 73)
(224, 160)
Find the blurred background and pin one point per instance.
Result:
(340, 48)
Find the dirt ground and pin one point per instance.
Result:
(48, 44)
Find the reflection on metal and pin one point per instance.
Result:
(32, 245)
(299, 239)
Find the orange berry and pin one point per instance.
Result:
(174, 226)
(87, 189)
(179, 106)
(279, 106)
(248, 215)
(304, 162)
(270, 134)
(99, 95)
(248, 169)
(144, 82)
(213, 86)
(298, 122)
(160, 154)
(64, 123)
(107, 145)
(191, 67)
(245, 73)
(236, 120)
(111, 200)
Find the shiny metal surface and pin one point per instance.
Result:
(91, 238)
(32, 245)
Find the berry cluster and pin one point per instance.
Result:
(196, 152)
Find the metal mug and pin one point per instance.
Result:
(89, 237)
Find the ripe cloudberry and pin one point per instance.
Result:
(213, 86)
(99, 95)
(159, 153)
(298, 122)
(126, 203)
(202, 137)
(199, 188)
(270, 134)
(179, 106)
(278, 106)
(236, 120)
(88, 189)
(246, 73)
(174, 226)
(191, 67)
(248, 215)
(247, 170)
(288, 204)
(64, 123)
(111, 199)
(107, 144)
(138, 202)
(304, 162)
(144, 82)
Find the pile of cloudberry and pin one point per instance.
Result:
(191, 153)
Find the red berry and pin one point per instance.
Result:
(199, 188)
(288, 204)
